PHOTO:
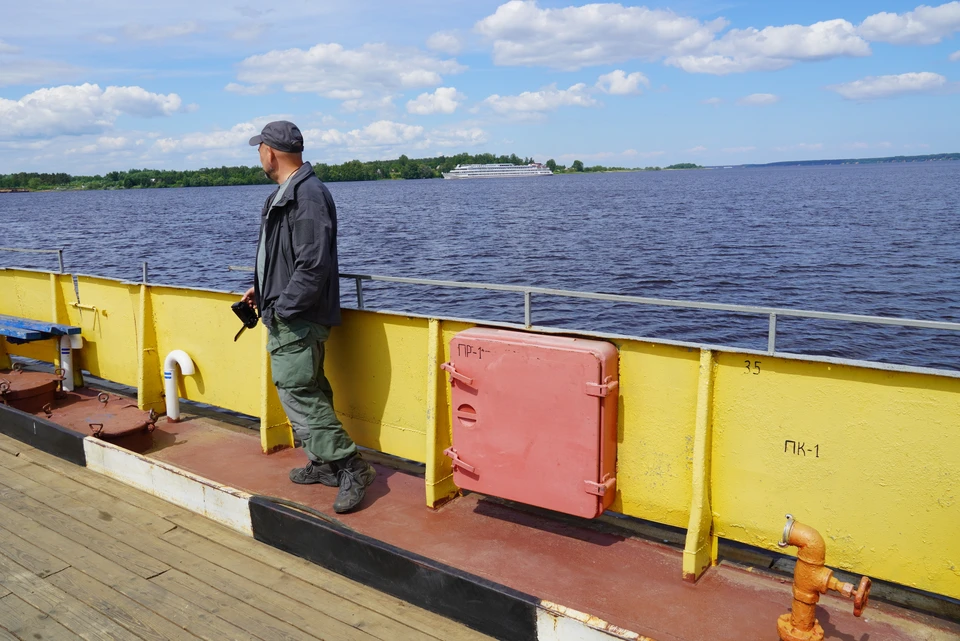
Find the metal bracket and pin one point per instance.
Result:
(601, 389)
(455, 375)
(459, 462)
(609, 484)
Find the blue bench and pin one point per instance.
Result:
(23, 330)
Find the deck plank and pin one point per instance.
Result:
(425, 623)
(29, 556)
(94, 502)
(28, 623)
(65, 609)
(51, 511)
(139, 621)
(250, 619)
(80, 533)
(124, 581)
(346, 623)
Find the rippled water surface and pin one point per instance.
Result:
(867, 239)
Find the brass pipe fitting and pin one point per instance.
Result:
(811, 579)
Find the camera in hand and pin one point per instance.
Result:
(246, 315)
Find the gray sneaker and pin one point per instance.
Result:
(354, 476)
(314, 472)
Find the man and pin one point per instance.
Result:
(297, 294)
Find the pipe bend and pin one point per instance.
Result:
(812, 549)
(182, 359)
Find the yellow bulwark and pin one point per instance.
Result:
(721, 443)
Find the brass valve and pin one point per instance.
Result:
(811, 579)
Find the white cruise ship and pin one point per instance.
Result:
(498, 170)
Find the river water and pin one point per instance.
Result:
(865, 239)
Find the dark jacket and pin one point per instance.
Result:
(301, 276)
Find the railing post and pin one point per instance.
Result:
(526, 310)
(60, 259)
(772, 335)
(359, 293)
(144, 272)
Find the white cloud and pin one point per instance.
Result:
(618, 83)
(759, 99)
(575, 37)
(330, 69)
(382, 103)
(712, 101)
(699, 149)
(772, 48)
(139, 32)
(923, 26)
(955, 56)
(236, 138)
(873, 87)
(547, 99)
(73, 110)
(444, 100)
(448, 42)
(5, 48)
(105, 39)
(738, 150)
(18, 71)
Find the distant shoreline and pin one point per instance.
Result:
(848, 161)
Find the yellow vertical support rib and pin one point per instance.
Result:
(700, 551)
(4, 357)
(439, 474)
(149, 375)
(275, 431)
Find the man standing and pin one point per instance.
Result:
(297, 294)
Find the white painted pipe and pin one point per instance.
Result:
(68, 343)
(176, 357)
(66, 362)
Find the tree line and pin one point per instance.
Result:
(400, 168)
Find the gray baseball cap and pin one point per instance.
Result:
(281, 135)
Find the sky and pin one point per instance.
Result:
(102, 85)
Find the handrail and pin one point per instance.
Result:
(58, 252)
(772, 312)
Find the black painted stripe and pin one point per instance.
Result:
(485, 606)
(43, 435)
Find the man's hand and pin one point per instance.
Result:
(248, 298)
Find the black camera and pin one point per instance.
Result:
(246, 315)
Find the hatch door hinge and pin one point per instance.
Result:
(459, 462)
(609, 484)
(602, 389)
(455, 375)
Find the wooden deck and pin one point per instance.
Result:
(85, 557)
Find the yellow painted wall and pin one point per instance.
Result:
(39, 296)
(110, 332)
(377, 366)
(878, 476)
(658, 406)
(227, 373)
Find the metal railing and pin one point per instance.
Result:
(772, 313)
(58, 252)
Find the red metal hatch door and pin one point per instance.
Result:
(527, 418)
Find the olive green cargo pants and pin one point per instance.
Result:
(296, 358)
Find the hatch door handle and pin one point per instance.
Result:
(459, 462)
(455, 375)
